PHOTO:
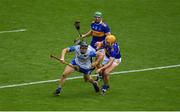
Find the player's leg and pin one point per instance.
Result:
(88, 78)
(106, 74)
(100, 75)
(66, 72)
(105, 61)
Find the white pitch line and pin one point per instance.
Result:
(71, 78)
(147, 69)
(11, 31)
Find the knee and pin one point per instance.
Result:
(85, 79)
(64, 75)
(106, 73)
(89, 80)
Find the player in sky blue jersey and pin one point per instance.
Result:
(99, 30)
(111, 59)
(82, 59)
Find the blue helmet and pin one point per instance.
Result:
(83, 44)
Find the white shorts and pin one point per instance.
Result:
(116, 62)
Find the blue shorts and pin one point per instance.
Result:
(82, 70)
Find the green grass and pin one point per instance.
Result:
(148, 35)
(153, 90)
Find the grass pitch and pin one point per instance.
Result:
(148, 35)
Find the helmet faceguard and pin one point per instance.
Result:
(83, 47)
(97, 17)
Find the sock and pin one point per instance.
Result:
(105, 86)
(59, 86)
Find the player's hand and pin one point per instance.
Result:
(77, 41)
(94, 64)
(62, 60)
(83, 36)
(98, 45)
(98, 70)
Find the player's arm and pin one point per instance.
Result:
(99, 58)
(111, 59)
(65, 51)
(99, 45)
(108, 33)
(107, 30)
(78, 40)
(89, 33)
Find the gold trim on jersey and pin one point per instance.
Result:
(97, 33)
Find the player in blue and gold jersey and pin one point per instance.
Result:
(99, 30)
(111, 60)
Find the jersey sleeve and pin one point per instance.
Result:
(106, 29)
(92, 54)
(113, 52)
(72, 48)
(91, 25)
(103, 43)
